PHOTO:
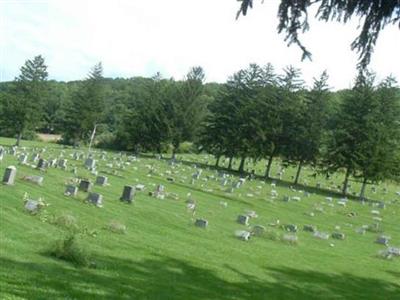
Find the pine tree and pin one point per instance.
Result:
(381, 147)
(306, 132)
(23, 107)
(187, 108)
(360, 141)
(86, 107)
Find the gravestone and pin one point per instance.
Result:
(201, 223)
(53, 162)
(13, 151)
(139, 187)
(96, 199)
(160, 191)
(338, 236)
(383, 240)
(62, 163)
(382, 205)
(35, 157)
(196, 175)
(71, 190)
(33, 206)
(128, 194)
(9, 175)
(291, 228)
(243, 235)
(90, 163)
(258, 230)
(321, 235)
(242, 219)
(252, 214)
(42, 164)
(290, 238)
(85, 186)
(23, 159)
(101, 180)
(310, 228)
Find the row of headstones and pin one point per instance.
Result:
(128, 192)
(10, 175)
(84, 185)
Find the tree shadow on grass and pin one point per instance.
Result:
(162, 277)
(283, 183)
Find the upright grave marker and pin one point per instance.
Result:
(9, 175)
(128, 194)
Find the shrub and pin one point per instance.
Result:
(116, 227)
(272, 235)
(375, 228)
(67, 222)
(186, 147)
(106, 140)
(69, 250)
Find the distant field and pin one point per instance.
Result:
(163, 255)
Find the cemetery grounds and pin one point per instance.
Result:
(163, 255)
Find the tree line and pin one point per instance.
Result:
(257, 114)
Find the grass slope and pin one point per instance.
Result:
(163, 256)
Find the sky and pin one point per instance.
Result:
(142, 37)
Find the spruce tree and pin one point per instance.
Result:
(23, 104)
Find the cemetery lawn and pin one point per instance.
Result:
(163, 255)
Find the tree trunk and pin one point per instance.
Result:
(159, 150)
(241, 166)
(19, 137)
(174, 148)
(217, 162)
(296, 181)
(362, 193)
(230, 163)
(268, 170)
(346, 182)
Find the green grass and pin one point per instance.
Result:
(163, 256)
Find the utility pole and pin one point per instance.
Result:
(92, 138)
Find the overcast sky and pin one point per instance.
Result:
(141, 37)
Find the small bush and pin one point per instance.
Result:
(67, 222)
(69, 250)
(186, 147)
(272, 235)
(375, 228)
(106, 140)
(116, 227)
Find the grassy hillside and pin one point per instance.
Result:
(163, 255)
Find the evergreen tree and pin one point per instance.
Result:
(23, 105)
(306, 132)
(146, 126)
(86, 107)
(381, 147)
(187, 108)
(352, 129)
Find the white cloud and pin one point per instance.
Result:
(135, 37)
